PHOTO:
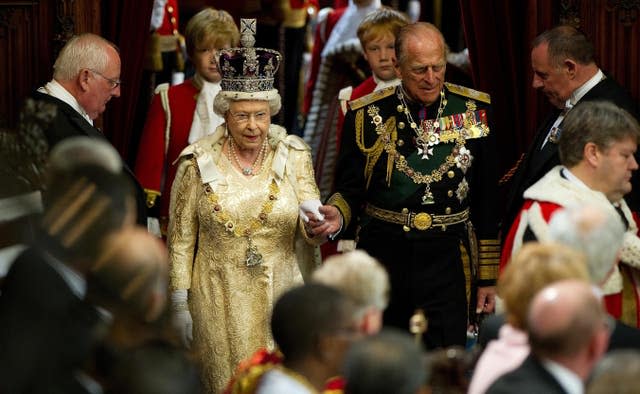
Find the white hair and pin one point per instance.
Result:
(358, 275)
(596, 232)
(79, 151)
(223, 100)
(83, 51)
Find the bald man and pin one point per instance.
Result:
(568, 334)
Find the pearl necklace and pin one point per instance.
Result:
(247, 171)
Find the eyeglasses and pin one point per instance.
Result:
(113, 83)
(243, 117)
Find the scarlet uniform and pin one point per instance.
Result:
(154, 168)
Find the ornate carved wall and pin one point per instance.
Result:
(614, 28)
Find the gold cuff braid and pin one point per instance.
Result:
(339, 202)
(489, 258)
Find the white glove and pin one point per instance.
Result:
(311, 206)
(182, 321)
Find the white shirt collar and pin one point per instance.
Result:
(54, 89)
(582, 90)
(572, 178)
(205, 120)
(570, 382)
(380, 84)
(74, 280)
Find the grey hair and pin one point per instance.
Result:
(358, 275)
(84, 151)
(593, 231)
(82, 51)
(599, 122)
(222, 103)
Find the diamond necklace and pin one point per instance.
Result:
(428, 138)
(247, 171)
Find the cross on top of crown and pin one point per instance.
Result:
(247, 32)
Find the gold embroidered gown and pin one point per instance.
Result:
(230, 302)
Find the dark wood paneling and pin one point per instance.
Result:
(23, 45)
(31, 34)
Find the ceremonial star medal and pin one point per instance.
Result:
(463, 159)
(253, 256)
(463, 190)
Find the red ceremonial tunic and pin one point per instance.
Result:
(155, 171)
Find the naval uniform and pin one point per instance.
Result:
(415, 207)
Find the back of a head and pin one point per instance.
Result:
(379, 23)
(563, 319)
(616, 373)
(566, 42)
(303, 314)
(532, 268)
(156, 370)
(598, 122)
(593, 231)
(82, 207)
(82, 51)
(386, 363)
(359, 276)
(79, 151)
(449, 370)
(131, 275)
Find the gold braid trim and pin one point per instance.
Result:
(372, 153)
(388, 135)
(489, 258)
(339, 202)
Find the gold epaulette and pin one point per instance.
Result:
(371, 97)
(468, 92)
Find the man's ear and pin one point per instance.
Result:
(83, 79)
(571, 67)
(591, 154)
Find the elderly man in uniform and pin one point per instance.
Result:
(415, 170)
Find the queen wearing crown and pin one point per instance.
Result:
(236, 237)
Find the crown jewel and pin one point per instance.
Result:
(248, 69)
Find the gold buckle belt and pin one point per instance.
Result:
(418, 220)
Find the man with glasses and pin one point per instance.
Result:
(86, 75)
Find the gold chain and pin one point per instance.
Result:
(424, 133)
(436, 175)
(224, 218)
